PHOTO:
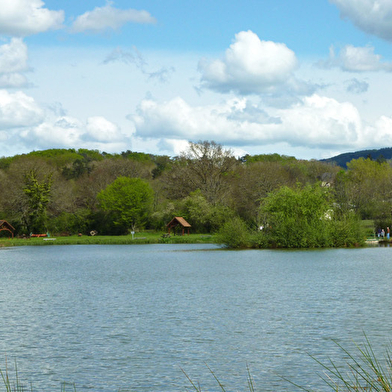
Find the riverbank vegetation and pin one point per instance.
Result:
(145, 237)
(256, 201)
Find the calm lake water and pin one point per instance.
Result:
(131, 317)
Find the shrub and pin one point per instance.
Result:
(234, 234)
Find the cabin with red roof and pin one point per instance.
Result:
(4, 225)
(178, 221)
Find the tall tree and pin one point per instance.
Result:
(365, 187)
(38, 194)
(205, 166)
(129, 199)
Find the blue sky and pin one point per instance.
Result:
(309, 78)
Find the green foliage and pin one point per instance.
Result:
(206, 184)
(162, 163)
(297, 218)
(267, 158)
(130, 199)
(234, 234)
(196, 210)
(306, 218)
(57, 156)
(202, 215)
(136, 156)
(38, 194)
(365, 187)
(77, 169)
(5, 162)
(80, 221)
(163, 215)
(347, 231)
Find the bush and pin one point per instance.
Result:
(347, 231)
(234, 234)
(298, 217)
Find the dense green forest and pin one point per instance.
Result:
(259, 200)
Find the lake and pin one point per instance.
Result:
(131, 317)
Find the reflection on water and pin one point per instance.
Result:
(111, 317)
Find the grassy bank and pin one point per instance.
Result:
(138, 238)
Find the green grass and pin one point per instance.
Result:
(139, 238)
(364, 371)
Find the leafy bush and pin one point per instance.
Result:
(347, 231)
(298, 217)
(234, 234)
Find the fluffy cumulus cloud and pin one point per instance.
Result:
(249, 66)
(108, 17)
(322, 122)
(356, 59)
(372, 16)
(315, 122)
(18, 110)
(382, 131)
(29, 127)
(13, 62)
(101, 130)
(27, 17)
(68, 132)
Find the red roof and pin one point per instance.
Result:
(6, 224)
(179, 220)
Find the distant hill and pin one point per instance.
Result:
(342, 159)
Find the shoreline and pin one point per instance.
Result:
(144, 238)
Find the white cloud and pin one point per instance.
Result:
(101, 130)
(322, 122)
(108, 17)
(29, 127)
(315, 122)
(356, 59)
(13, 56)
(64, 131)
(175, 146)
(382, 131)
(27, 17)
(13, 61)
(372, 16)
(249, 66)
(68, 132)
(18, 110)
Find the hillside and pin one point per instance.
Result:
(343, 159)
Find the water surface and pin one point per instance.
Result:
(131, 317)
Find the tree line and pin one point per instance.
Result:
(260, 200)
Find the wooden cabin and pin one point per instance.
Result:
(178, 221)
(4, 225)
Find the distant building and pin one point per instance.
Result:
(178, 221)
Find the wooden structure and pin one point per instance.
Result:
(178, 221)
(4, 225)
